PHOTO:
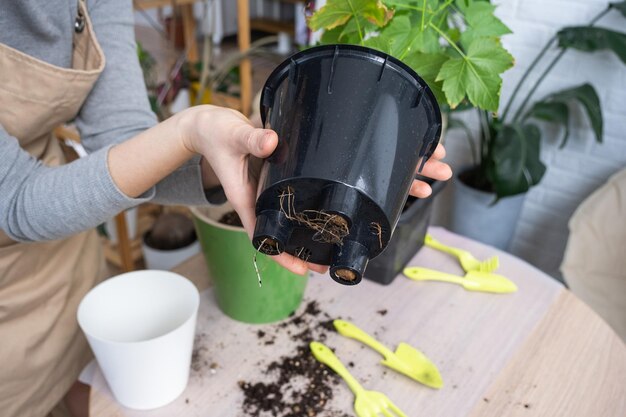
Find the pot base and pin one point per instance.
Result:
(349, 231)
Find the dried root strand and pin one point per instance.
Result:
(288, 196)
(345, 274)
(377, 229)
(256, 266)
(303, 253)
(329, 228)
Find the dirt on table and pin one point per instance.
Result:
(295, 385)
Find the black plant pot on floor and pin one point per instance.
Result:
(353, 123)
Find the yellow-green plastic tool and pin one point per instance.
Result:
(467, 260)
(472, 281)
(406, 359)
(366, 403)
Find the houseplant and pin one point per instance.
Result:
(232, 263)
(507, 159)
(454, 47)
(170, 241)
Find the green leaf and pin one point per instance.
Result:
(481, 22)
(378, 43)
(532, 164)
(591, 39)
(428, 66)
(619, 6)
(515, 165)
(331, 36)
(454, 34)
(431, 5)
(587, 97)
(554, 112)
(477, 74)
(405, 36)
(339, 12)
(354, 29)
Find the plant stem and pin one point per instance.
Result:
(358, 25)
(534, 63)
(450, 41)
(526, 74)
(423, 14)
(443, 6)
(486, 148)
(406, 6)
(556, 59)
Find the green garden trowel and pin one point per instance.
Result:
(406, 359)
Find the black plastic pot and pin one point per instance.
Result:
(353, 123)
(407, 239)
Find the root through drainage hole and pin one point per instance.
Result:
(268, 246)
(345, 274)
(303, 253)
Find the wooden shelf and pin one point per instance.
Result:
(224, 100)
(272, 26)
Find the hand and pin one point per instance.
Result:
(231, 144)
(434, 169)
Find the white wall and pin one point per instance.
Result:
(583, 165)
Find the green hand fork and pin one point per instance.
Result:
(467, 260)
(406, 359)
(472, 281)
(366, 403)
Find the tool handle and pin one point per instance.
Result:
(348, 329)
(430, 241)
(326, 356)
(424, 274)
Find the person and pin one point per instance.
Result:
(64, 60)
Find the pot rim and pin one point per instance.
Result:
(196, 212)
(168, 251)
(349, 50)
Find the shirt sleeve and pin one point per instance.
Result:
(117, 108)
(38, 202)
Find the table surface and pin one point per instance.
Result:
(537, 352)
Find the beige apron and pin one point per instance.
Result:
(42, 350)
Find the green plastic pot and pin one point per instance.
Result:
(229, 257)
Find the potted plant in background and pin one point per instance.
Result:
(454, 46)
(488, 195)
(233, 264)
(170, 241)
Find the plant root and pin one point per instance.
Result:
(256, 266)
(329, 228)
(376, 229)
(303, 253)
(345, 274)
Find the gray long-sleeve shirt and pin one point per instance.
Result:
(42, 203)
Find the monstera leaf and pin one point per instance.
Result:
(553, 108)
(621, 6)
(515, 165)
(591, 39)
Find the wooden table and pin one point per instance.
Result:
(538, 352)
